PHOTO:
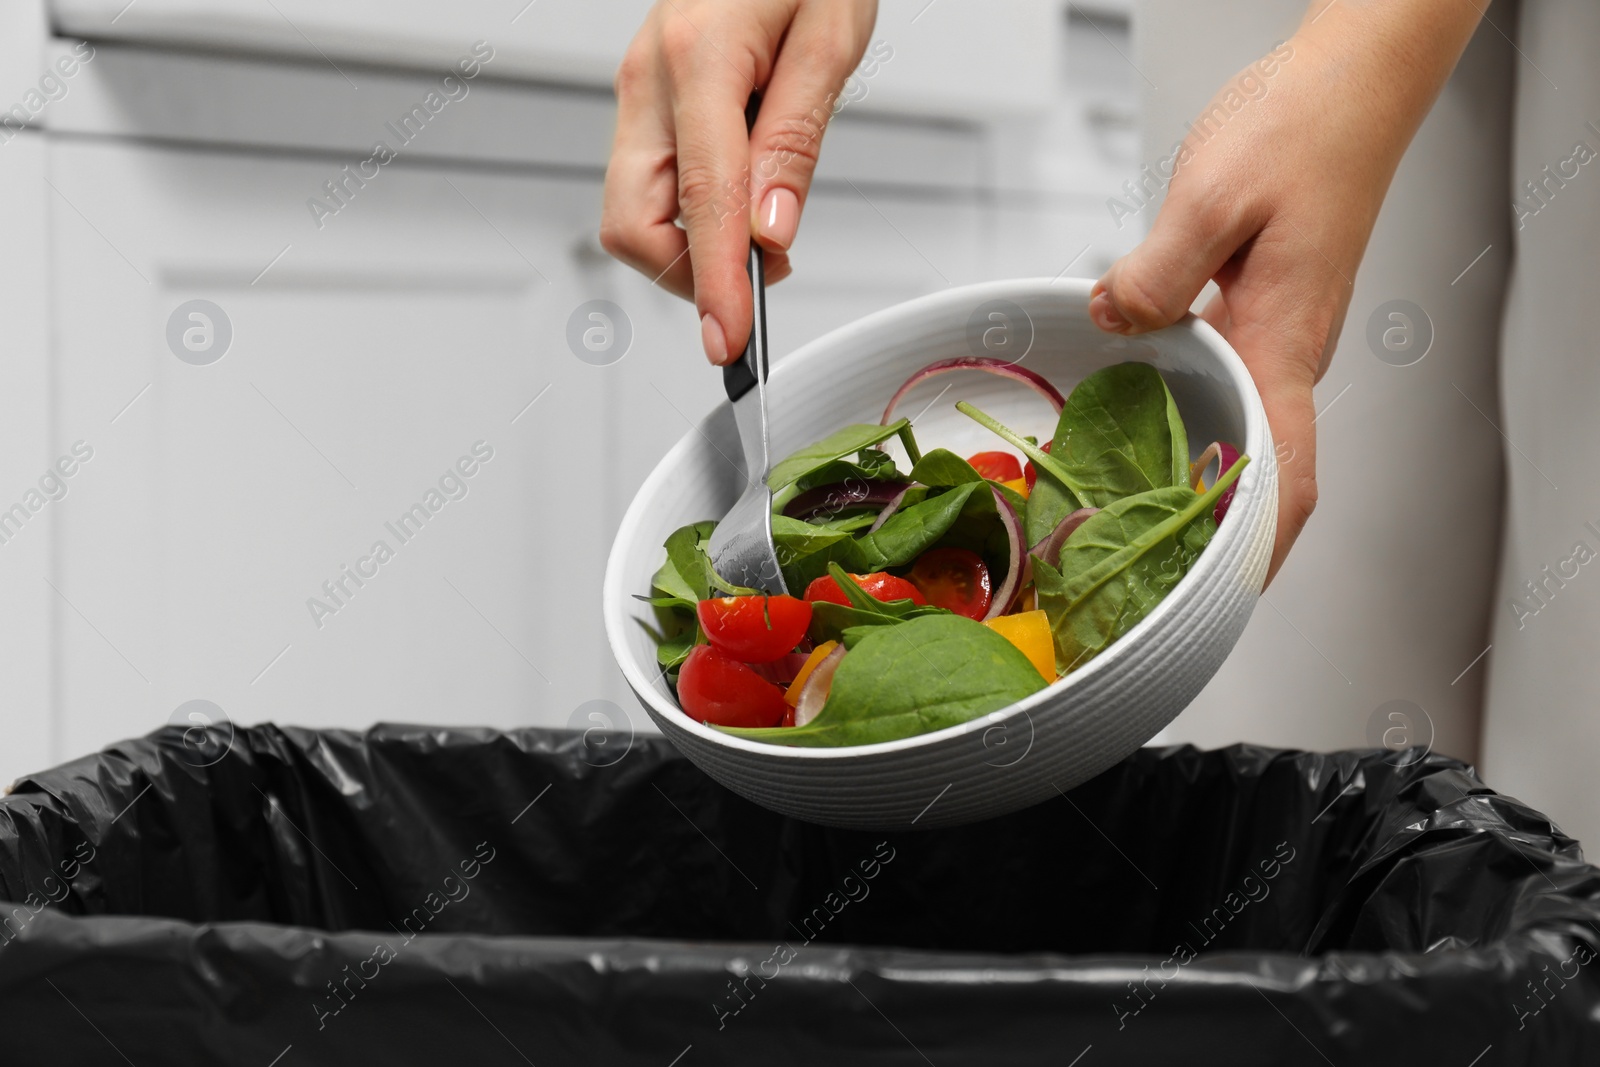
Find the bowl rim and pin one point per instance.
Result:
(1257, 443)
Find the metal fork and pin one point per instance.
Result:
(741, 547)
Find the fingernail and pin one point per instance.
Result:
(714, 340)
(1105, 313)
(780, 217)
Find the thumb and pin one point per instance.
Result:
(1153, 285)
(800, 100)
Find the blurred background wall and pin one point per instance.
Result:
(257, 343)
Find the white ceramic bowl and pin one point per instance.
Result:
(1057, 738)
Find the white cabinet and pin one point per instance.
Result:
(240, 533)
(365, 361)
(221, 542)
(237, 535)
(953, 57)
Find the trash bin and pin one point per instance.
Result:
(412, 895)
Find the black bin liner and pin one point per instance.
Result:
(412, 895)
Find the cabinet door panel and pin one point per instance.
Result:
(365, 360)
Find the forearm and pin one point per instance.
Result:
(1390, 57)
(1275, 197)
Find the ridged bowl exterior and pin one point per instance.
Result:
(1055, 739)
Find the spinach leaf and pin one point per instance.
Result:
(830, 449)
(849, 523)
(910, 678)
(801, 538)
(683, 574)
(1119, 564)
(869, 464)
(835, 622)
(667, 602)
(1048, 503)
(859, 598)
(942, 468)
(1120, 434)
(964, 516)
(673, 650)
(831, 622)
(851, 636)
(878, 461)
(805, 548)
(675, 609)
(951, 506)
(688, 573)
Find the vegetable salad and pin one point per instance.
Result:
(928, 597)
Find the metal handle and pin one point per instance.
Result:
(740, 376)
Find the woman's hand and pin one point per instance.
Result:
(682, 153)
(1276, 192)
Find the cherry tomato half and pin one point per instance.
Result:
(1030, 473)
(717, 689)
(754, 629)
(996, 466)
(955, 579)
(879, 584)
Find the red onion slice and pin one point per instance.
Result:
(987, 364)
(815, 692)
(1017, 550)
(889, 509)
(1226, 456)
(1049, 546)
(839, 496)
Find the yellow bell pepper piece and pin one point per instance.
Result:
(1030, 632)
(1018, 485)
(818, 654)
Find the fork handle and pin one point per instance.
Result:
(740, 376)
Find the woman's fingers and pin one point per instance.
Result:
(1275, 310)
(641, 193)
(1195, 233)
(689, 185)
(636, 228)
(710, 79)
(822, 46)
